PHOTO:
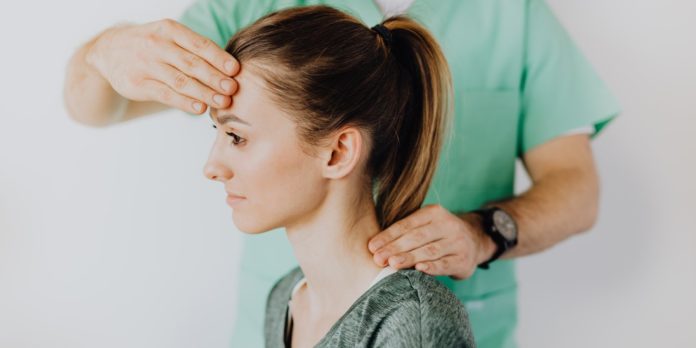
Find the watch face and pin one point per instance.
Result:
(504, 223)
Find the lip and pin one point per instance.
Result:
(234, 195)
(233, 200)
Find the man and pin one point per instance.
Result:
(522, 89)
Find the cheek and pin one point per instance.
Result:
(281, 184)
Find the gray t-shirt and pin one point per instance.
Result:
(405, 309)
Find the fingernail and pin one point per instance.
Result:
(376, 246)
(219, 99)
(198, 106)
(229, 65)
(421, 267)
(226, 85)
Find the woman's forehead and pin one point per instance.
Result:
(253, 102)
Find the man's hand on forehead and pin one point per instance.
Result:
(166, 62)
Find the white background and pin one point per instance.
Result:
(113, 238)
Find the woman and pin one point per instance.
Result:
(334, 135)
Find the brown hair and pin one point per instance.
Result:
(331, 69)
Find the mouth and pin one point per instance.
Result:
(234, 195)
(233, 200)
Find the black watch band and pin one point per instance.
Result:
(489, 228)
(498, 251)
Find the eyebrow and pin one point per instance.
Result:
(227, 118)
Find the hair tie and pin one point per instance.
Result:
(384, 33)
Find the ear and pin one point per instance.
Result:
(343, 153)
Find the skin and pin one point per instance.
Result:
(562, 202)
(448, 243)
(132, 70)
(328, 220)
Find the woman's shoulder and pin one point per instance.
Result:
(417, 308)
(277, 305)
(415, 286)
(282, 289)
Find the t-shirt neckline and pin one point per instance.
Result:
(383, 274)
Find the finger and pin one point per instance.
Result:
(411, 240)
(443, 266)
(164, 94)
(196, 67)
(418, 218)
(188, 86)
(204, 48)
(429, 252)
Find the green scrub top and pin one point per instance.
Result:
(519, 81)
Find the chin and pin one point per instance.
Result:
(250, 225)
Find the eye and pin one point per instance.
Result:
(236, 139)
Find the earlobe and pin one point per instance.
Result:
(343, 153)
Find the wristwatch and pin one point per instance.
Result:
(501, 227)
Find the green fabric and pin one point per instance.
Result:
(405, 309)
(519, 81)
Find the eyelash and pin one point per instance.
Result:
(236, 139)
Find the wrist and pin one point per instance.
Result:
(88, 57)
(95, 47)
(486, 247)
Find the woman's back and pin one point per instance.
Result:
(405, 309)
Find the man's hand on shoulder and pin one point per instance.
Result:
(435, 241)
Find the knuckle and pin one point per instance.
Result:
(418, 235)
(191, 61)
(444, 263)
(164, 95)
(403, 225)
(432, 249)
(143, 55)
(166, 23)
(201, 43)
(161, 25)
(386, 251)
(151, 40)
(433, 267)
(134, 80)
(395, 229)
(180, 81)
(376, 241)
(391, 233)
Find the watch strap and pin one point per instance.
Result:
(487, 226)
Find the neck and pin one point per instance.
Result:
(331, 249)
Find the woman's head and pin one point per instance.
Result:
(329, 100)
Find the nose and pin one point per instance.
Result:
(215, 169)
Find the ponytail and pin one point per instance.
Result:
(408, 166)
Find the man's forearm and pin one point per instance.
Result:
(554, 208)
(88, 97)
